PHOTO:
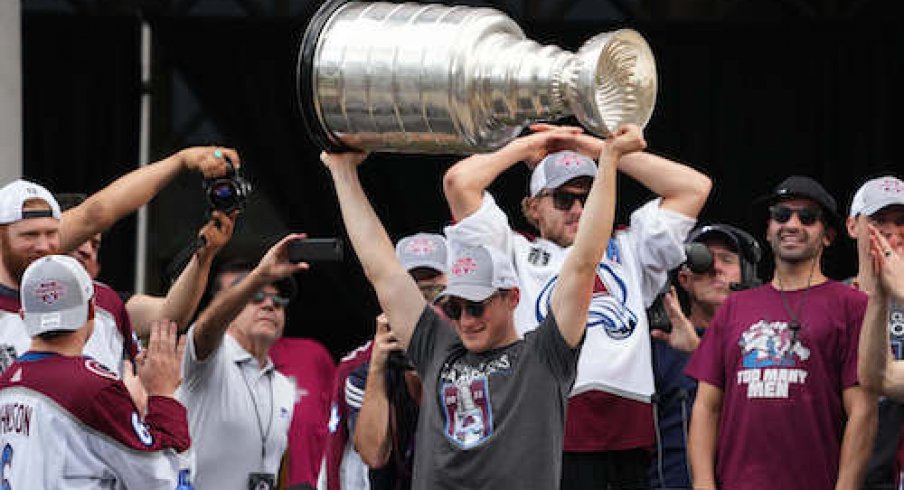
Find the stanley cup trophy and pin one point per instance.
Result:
(427, 78)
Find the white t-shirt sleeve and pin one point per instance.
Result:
(487, 226)
(657, 235)
(194, 370)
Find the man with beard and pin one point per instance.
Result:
(32, 226)
(778, 402)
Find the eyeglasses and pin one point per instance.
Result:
(453, 307)
(807, 216)
(278, 301)
(564, 200)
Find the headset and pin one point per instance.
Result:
(749, 252)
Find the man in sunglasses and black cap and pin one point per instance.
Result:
(239, 406)
(778, 402)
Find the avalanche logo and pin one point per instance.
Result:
(468, 415)
(50, 291)
(768, 344)
(608, 306)
(464, 266)
(420, 246)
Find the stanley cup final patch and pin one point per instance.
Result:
(468, 415)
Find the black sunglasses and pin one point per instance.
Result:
(564, 200)
(453, 307)
(278, 301)
(807, 216)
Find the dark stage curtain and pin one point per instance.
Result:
(81, 92)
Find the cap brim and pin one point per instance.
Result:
(470, 292)
(760, 208)
(425, 264)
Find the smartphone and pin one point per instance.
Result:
(315, 250)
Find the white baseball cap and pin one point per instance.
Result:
(55, 294)
(14, 195)
(476, 272)
(558, 168)
(877, 194)
(422, 250)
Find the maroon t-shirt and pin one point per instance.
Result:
(311, 367)
(782, 413)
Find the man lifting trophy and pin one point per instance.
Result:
(429, 78)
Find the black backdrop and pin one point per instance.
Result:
(746, 103)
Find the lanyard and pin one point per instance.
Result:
(260, 424)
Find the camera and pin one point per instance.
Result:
(227, 193)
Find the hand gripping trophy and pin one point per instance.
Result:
(428, 78)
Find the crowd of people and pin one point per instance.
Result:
(581, 355)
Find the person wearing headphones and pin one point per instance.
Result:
(721, 259)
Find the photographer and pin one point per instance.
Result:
(721, 258)
(239, 406)
(383, 393)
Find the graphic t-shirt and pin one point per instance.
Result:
(782, 413)
(492, 419)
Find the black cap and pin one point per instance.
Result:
(800, 186)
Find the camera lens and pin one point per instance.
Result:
(223, 196)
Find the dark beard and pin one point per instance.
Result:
(15, 264)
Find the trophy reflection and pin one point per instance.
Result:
(428, 78)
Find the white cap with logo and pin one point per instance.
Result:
(55, 292)
(422, 250)
(558, 168)
(877, 194)
(477, 272)
(14, 195)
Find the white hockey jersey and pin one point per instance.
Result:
(69, 423)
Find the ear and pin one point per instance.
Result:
(829, 236)
(683, 278)
(529, 206)
(851, 225)
(513, 297)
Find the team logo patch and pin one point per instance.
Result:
(768, 344)
(420, 246)
(50, 291)
(568, 159)
(99, 369)
(468, 414)
(464, 266)
(608, 307)
(7, 356)
(141, 430)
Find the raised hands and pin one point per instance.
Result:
(275, 264)
(218, 231)
(888, 265)
(683, 336)
(385, 342)
(210, 161)
(159, 365)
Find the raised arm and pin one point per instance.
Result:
(465, 181)
(574, 288)
(372, 430)
(683, 189)
(213, 322)
(877, 370)
(185, 294)
(135, 189)
(397, 292)
(704, 435)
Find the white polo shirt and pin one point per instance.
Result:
(238, 414)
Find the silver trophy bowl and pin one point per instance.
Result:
(428, 78)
